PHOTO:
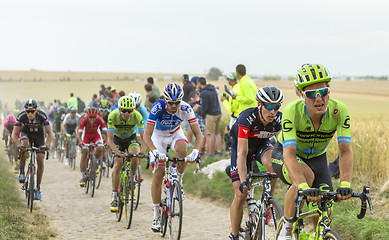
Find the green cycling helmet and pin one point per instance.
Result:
(103, 103)
(310, 74)
(126, 102)
(62, 109)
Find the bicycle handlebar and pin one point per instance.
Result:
(35, 149)
(261, 175)
(327, 196)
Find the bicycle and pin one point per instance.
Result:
(263, 214)
(60, 147)
(29, 184)
(90, 172)
(72, 151)
(126, 190)
(171, 205)
(323, 230)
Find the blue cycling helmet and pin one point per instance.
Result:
(173, 92)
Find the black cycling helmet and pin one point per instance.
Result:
(270, 95)
(30, 104)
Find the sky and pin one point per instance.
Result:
(184, 36)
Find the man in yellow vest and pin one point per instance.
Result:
(248, 89)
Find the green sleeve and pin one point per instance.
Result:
(343, 127)
(289, 136)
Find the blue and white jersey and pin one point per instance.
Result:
(167, 122)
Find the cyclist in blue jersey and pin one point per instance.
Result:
(164, 128)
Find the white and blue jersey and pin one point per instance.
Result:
(167, 122)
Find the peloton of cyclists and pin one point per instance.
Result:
(32, 123)
(162, 129)
(7, 137)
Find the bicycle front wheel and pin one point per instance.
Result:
(175, 216)
(137, 184)
(120, 202)
(267, 224)
(332, 235)
(92, 176)
(31, 184)
(129, 198)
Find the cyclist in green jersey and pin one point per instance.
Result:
(122, 138)
(308, 125)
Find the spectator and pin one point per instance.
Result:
(80, 105)
(248, 89)
(150, 81)
(95, 101)
(230, 103)
(189, 93)
(102, 90)
(210, 108)
(150, 94)
(115, 96)
(115, 106)
(193, 80)
(72, 101)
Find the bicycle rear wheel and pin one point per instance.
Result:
(175, 216)
(332, 235)
(120, 202)
(129, 198)
(137, 184)
(266, 229)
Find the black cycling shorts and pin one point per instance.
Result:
(317, 164)
(36, 139)
(124, 144)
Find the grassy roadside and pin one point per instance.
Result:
(16, 222)
(345, 222)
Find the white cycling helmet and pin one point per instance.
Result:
(270, 95)
(137, 97)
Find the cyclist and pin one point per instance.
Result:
(68, 127)
(122, 139)
(31, 124)
(7, 131)
(58, 118)
(143, 111)
(89, 132)
(162, 129)
(250, 136)
(308, 125)
(104, 110)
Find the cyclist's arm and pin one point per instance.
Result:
(243, 147)
(15, 134)
(49, 135)
(198, 135)
(147, 137)
(345, 161)
(110, 142)
(296, 174)
(142, 143)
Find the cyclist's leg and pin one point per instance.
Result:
(133, 146)
(118, 164)
(180, 146)
(236, 209)
(264, 156)
(26, 143)
(39, 140)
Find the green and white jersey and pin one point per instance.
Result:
(298, 129)
(124, 129)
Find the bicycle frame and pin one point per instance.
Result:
(323, 224)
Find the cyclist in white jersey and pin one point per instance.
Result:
(164, 128)
(69, 125)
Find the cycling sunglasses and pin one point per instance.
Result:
(126, 110)
(271, 107)
(103, 110)
(73, 112)
(173, 102)
(30, 111)
(322, 92)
